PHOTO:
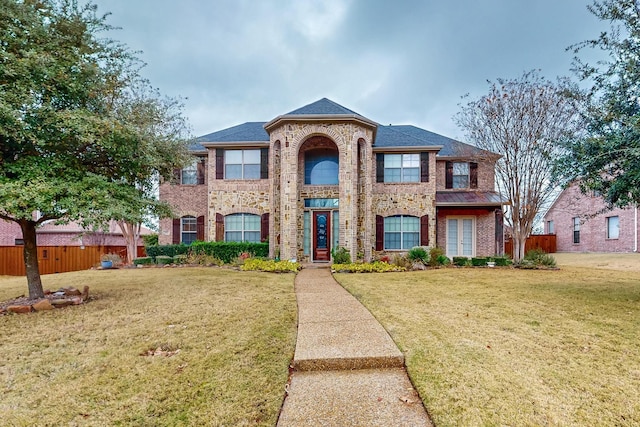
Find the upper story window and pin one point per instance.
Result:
(188, 230)
(189, 174)
(321, 167)
(613, 227)
(242, 164)
(402, 167)
(242, 227)
(461, 175)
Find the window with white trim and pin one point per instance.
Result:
(613, 227)
(460, 175)
(242, 227)
(401, 232)
(188, 230)
(242, 164)
(402, 167)
(189, 174)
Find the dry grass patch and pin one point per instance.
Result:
(90, 364)
(610, 261)
(515, 347)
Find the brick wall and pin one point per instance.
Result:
(593, 215)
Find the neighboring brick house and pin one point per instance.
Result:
(582, 223)
(323, 177)
(71, 234)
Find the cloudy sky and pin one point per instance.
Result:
(393, 61)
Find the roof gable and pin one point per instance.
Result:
(322, 107)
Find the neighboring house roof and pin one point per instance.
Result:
(469, 198)
(385, 137)
(75, 227)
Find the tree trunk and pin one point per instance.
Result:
(131, 234)
(30, 255)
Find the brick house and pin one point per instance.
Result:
(582, 223)
(323, 177)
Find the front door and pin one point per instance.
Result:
(321, 236)
(461, 236)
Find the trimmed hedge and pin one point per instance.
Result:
(229, 251)
(163, 260)
(461, 261)
(147, 260)
(167, 250)
(479, 261)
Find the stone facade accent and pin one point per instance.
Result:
(593, 214)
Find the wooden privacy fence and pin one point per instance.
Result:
(546, 242)
(58, 259)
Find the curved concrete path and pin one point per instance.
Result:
(346, 369)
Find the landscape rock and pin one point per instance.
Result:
(85, 293)
(71, 291)
(19, 309)
(61, 302)
(76, 300)
(45, 304)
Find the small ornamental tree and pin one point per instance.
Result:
(71, 144)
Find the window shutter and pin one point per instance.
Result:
(219, 227)
(175, 237)
(200, 167)
(264, 227)
(200, 228)
(424, 166)
(379, 233)
(219, 163)
(424, 230)
(264, 163)
(449, 175)
(499, 232)
(473, 175)
(380, 168)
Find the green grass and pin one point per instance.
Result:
(515, 347)
(83, 366)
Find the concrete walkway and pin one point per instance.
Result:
(347, 370)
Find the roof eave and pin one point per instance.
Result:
(477, 205)
(227, 144)
(406, 148)
(318, 118)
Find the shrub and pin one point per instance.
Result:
(435, 255)
(539, 258)
(150, 240)
(341, 256)
(114, 258)
(502, 261)
(167, 250)
(479, 261)
(147, 260)
(269, 265)
(418, 254)
(203, 259)
(367, 267)
(180, 259)
(164, 259)
(443, 260)
(461, 261)
(402, 261)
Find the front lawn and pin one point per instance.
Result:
(85, 365)
(515, 347)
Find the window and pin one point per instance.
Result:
(242, 228)
(189, 174)
(576, 230)
(550, 228)
(613, 227)
(188, 230)
(242, 164)
(460, 175)
(321, 167)
(402, 167)
(401, 232)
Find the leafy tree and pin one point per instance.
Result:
(523, 120)
(71, 143)
(607, 158)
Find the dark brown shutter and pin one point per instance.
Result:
(200, 228)
(473, 175)
(264, 163)
(219, 227)
(379, 233)
(176, 176)
(380, 168)
(219, 163)
(175, 238)
(499, 232)
(424, 167)
(264, 227)
(200, 167)
(449, 175)
(424, 230)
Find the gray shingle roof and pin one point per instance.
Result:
(323, 106)
(246, 132)
(410, 136)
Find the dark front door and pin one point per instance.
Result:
(321, 236)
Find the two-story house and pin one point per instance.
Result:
(323, 177)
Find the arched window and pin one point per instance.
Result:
(401, 232)
(242, 227)
(321, 167)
